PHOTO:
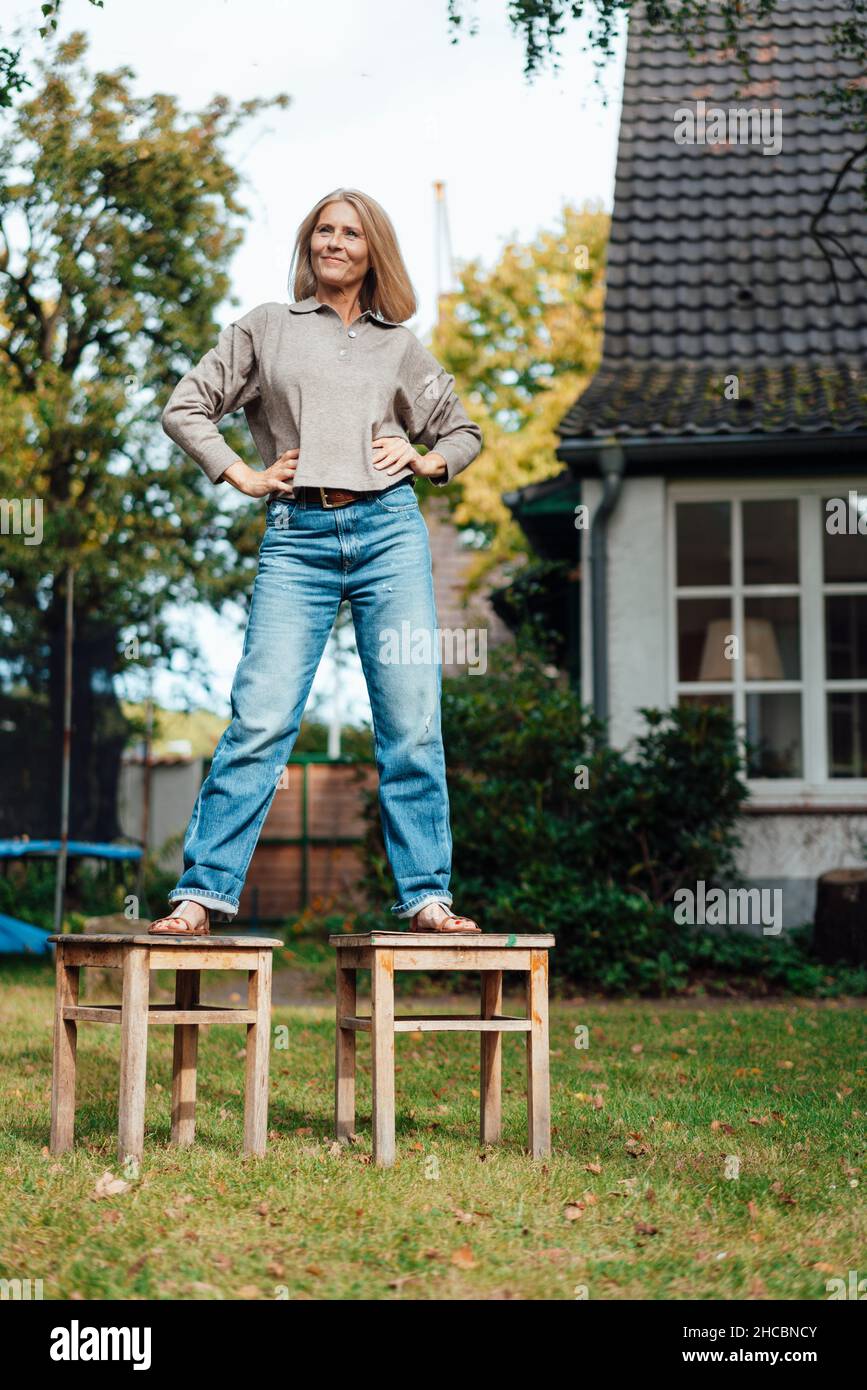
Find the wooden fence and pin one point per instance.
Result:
(309, 852)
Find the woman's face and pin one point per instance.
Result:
(338, 248)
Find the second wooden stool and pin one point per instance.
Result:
(384, 952)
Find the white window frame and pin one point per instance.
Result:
(815, 788)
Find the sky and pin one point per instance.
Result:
(380, 100)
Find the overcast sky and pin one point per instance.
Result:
(380, 100)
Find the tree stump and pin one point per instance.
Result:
(840, 924)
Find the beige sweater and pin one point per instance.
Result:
(307, 382)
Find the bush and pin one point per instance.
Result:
(596, 863)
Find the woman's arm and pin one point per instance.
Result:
(225, 379)
(434, 415)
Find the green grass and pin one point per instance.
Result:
(640, 1140)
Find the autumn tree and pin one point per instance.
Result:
(523, 339)
(119, 216)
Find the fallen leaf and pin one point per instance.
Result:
(109, 1186)
(462, 1258)
(248, 1291)
(573, 1211)
(592, 1167)
(635, 1148)
(642, 1229)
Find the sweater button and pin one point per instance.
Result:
(342, 352)
(351, 333)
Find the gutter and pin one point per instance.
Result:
(650, 451)
(612, 464)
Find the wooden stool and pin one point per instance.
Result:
(136, 957)
(383, 952)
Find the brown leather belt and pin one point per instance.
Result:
(340, 496)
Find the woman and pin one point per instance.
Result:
(336, 391)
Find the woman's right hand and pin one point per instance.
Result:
(260, 482)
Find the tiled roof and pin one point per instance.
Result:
(713, 270)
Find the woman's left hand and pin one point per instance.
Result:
(392, 454)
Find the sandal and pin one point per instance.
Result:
(186, 928)
(449, 925)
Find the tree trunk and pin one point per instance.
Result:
(840, 926)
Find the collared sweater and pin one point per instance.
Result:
(305, 381)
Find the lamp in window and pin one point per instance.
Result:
(763, 660)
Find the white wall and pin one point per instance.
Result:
(790, 851)
(637, 603)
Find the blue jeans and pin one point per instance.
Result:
(375, 553)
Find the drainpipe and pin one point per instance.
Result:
(611, 466)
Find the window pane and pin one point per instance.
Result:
(704, 550)
(844, 548)
(846, 636)
(847, 733)
(704, 627)
(771, 542)
(772, 639)
(774, 735)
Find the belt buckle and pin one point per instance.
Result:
(329, 505)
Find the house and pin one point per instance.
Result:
(721, 448)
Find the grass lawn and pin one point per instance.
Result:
(711, 1153)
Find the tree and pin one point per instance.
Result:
(128, 209)
(522, 340)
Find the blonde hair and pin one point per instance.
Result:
(386, 289)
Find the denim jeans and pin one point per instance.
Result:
(375, 553)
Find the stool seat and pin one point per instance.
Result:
(136, 955)
(490, 953)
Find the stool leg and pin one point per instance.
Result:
(344, 1055)
(490, 1087)
(258, 1049)
(186, 1047)
(382, 1049)
(133, 1053)
(538, 1083)
(63, 1070)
